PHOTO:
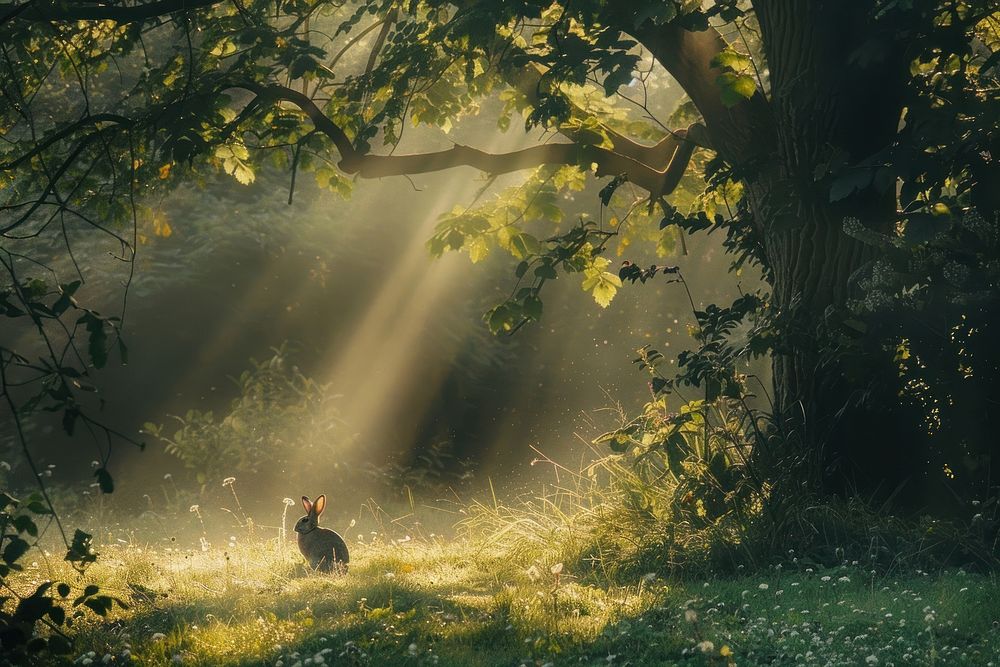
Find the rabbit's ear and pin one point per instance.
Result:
(305, 503)
(320, 505)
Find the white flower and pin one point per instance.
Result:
(158, 636)
(690, 615)
(871, 660)
(705, 646)
(763, 587)
(825, 578)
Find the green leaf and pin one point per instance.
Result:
(602, 284)
(734, 88)
(608, 190)
(97, 339)
(532, 307)
(500, 319)
(301, 65)
(24, 524)
(16, 547)
(524, 245)
(731, 60)
(853, 178)
(104, 480)
(81, 552)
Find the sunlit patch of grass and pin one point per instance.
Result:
(471, 601)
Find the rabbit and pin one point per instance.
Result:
(323, 548)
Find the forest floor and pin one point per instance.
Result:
(466, 602)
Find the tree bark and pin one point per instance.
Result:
(826, 102)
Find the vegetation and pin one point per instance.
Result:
(515, 593)
(846, 152)
(905, 94)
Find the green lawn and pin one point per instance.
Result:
(469, 602)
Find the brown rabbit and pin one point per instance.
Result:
(323, 548)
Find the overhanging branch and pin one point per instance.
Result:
(687, 56)
(658, 182)
(71, 11)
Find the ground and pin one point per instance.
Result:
(467, 601)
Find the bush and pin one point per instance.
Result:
(281, 420)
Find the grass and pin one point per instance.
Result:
(476, 601)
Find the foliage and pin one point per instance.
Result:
(510, 598)
(280, 418)
(284, 420)
(36, 621)
(108, 104)
(931, 297)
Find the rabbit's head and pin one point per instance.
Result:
(313, 510)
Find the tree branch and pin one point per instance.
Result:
(657, 182)
(63, 11)
(62, 134)
(687, 56)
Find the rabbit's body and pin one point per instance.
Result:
(323, 548)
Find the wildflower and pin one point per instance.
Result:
(871, 660)
(725, 651)
(763, 587)
(705, 646)
(690, 615)
(228, 481)
(288, 501)
(556, 569)
(533, 573)
(158, 636)
(412, 650)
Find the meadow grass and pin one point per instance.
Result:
(477, 600)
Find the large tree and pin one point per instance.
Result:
(847, 148)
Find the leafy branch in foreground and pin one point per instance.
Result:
(50, 605)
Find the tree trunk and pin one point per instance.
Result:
(827, 107)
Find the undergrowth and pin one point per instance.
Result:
(531, 595)
(584, 572)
